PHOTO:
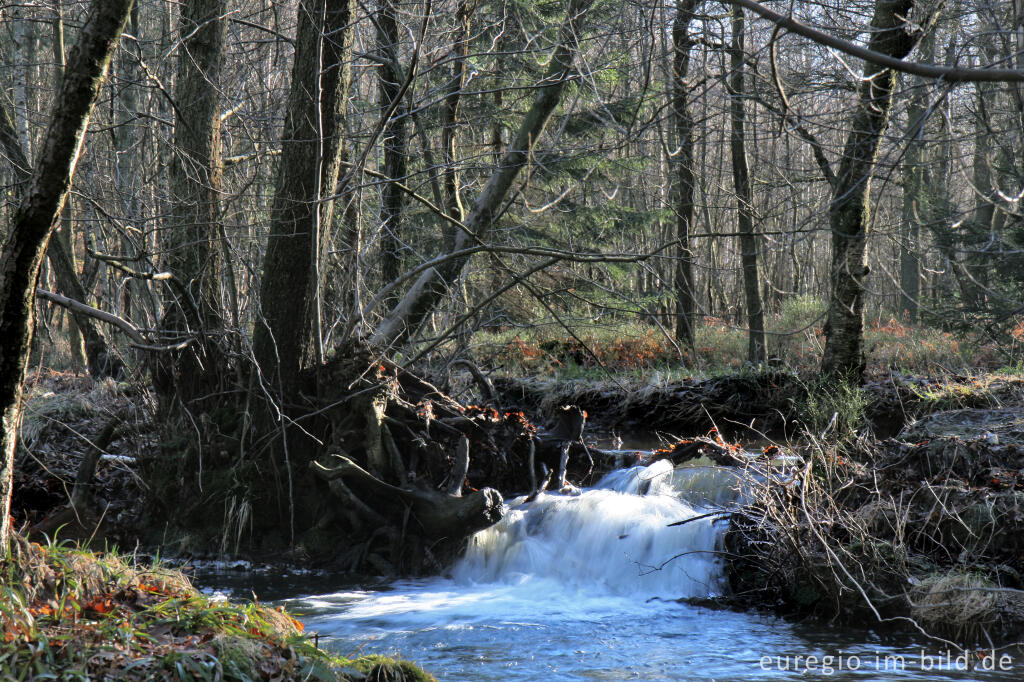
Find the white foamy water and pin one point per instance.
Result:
(609, 539)
(590, 587)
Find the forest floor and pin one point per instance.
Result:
(73, 614)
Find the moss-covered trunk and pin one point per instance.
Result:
(33, 221)
(892, 34)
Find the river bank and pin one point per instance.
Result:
(905, 513)
(779, 403)
(71, 614)
(883, 528)
(923, 531)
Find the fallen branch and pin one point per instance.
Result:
(74, 514)
(543, 485)
(482, 382)
(698, 518)
(136, 339)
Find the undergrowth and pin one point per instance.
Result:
(70, 614)
(832, 409)
(794, 337)
(921, 535)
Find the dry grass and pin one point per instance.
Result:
(889, 533)
(794, 338)
(958, 600)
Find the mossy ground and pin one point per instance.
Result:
(71, 614)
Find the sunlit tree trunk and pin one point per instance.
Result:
(849, 211)
(450, 115)
(744, 195)
(34, 220)
(682, 163)
(65, 235)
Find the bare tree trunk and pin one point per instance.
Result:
(65, 235)
(99, 360)
(128, 159)
(682, 162)
(33, 221)
(434, 284)
(22, 34)
(311, 153)
(744, 195)
(190, 241)
(914, 199)
(395, 139)
(450, 117)
(849, 212)
(985, 219)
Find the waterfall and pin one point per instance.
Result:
(615, 537)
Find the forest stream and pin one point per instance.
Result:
(606, 584)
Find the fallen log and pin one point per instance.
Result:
(438, 515)
(718, 451)
(77, 520)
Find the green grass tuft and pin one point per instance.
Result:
(67, 613)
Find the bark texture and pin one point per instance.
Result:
(850, 211)
(34, 219)
(395, 140)
(311, 154)
(450, 115)
(682, 162)
(190, 244)
(744, 194)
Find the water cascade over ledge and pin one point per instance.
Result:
(594, 586)
(616, 537)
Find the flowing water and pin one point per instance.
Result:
(593, 586)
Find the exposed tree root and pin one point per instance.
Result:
(436, 515)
